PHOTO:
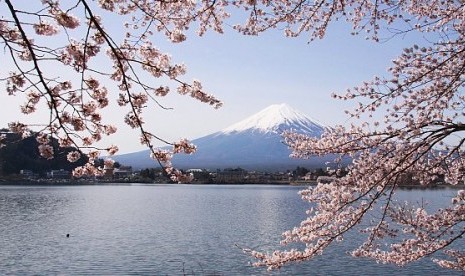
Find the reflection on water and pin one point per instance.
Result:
(163, 230)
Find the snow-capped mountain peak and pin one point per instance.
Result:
(255, 143)
(276, 118)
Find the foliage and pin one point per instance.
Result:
(22, 154)
(422, 103)
(151, 173)
(300, 171)
(320, 172)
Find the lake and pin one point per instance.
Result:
(166, 230)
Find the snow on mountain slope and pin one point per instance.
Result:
(277, 118)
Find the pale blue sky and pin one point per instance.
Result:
(251, 73)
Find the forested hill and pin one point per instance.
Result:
(23, 154)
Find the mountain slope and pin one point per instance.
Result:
(254, 143)
(23, 154)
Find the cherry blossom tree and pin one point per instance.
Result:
(71, 36)
(419, 138)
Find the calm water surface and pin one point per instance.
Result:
(165, 230)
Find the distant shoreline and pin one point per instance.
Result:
(73, 182)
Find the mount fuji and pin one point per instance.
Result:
(254, 143)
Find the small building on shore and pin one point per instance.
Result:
(59, 174)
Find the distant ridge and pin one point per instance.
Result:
(254, 143)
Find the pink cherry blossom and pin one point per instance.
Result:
(45, 28)
(73, 156)
(46, 151)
